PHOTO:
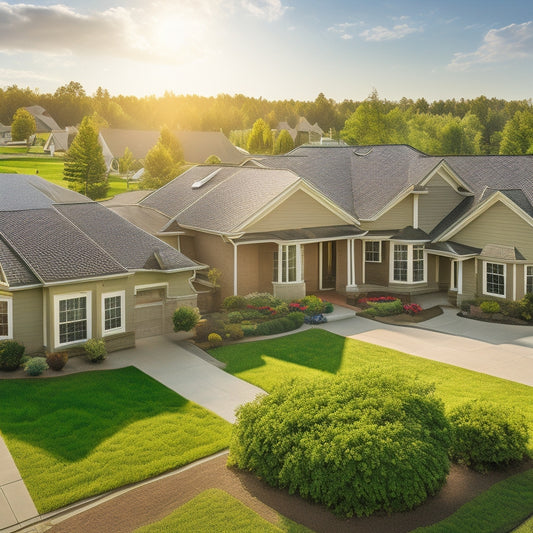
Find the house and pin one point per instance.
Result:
(44, 123)
(303, 131)
(60, 140)
(5, 134)
(356, 220)
(197, 145)
(71, 270)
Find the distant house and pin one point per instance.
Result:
(60, 140)
(303, 132)
(71, 270)
(197, 145)
(5, 134)
(43, 121)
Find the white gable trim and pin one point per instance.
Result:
(484, 206)
(449, 176)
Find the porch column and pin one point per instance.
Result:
(235, 277)
(459, 277)
(351, 284)
(452, 274)
(299, 262)
(280, 263)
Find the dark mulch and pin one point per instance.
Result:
(153, 501)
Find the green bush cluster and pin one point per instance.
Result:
(357, 443)
(314, 304)
(234, 303)
(235, 317)
(11, 353)
(486, 435)
(95, 350)
(384, 308)
(35, 366)
(490, 307)
(248, 330)
(280, 325)
(233, 332)
(56, 360)
(262, 299)
(521, 309)
(185, 318)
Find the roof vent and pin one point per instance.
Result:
(363, 155)
(203, 181)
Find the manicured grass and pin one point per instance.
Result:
(84, 434)
(499, 509)
(217, 511)
(315, 352)
(526, 527)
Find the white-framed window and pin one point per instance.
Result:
(6, 318)
(528, 274)
(373, 251)
(408, 263)
(494, 278)
(113, 313)
(72, 318)
(289, 264)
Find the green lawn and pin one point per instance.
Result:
(526, 527)
(84, 434)
(315, 352)
(214, 510)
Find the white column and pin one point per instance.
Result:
(350, 263)
(460, 277)
(415, 211)
(514, 281)
(363, 259)
(452, 274)
(299, 262)
(320, 263)
(235, 270)
(280, 263)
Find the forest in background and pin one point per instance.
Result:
(467, 126)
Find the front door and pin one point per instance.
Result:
(329, 265)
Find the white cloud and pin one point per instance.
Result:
(344, 29)
(7, 76)
(380, 33)
(505, 44)
(265, 9)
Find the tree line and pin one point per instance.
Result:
(466, 126)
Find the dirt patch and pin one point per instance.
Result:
(153, 501)
(405, 318)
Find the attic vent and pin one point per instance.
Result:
(203, 181)
(363, 155)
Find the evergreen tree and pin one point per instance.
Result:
(172, 144)
(85, 168)
(517, 136)
(260, 140)
(283, 143)
(23, 125)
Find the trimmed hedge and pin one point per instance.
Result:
(486, 435)
(384, 309)
(11, 353)
(358, 443)
(280, 325)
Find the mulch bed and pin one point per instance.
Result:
(153, 501)
(404, 318)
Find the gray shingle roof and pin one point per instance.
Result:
(227, 200)
(454, 248)
(17, 273)
(411, 234)
(302, 234)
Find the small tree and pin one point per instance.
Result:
(260, 140)
(172, 144)
(126, 161)
(85, 167)
(23, 125)
(283, 143)
(159, 168)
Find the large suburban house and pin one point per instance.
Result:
(71, 270)
(355, 220)
(44, 122)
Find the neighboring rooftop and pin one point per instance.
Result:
(43, 121)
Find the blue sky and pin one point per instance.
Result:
(276, 49)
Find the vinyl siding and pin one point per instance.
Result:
(398, 217)
(498, 225)
(28, 319)
(378, 273)
(297, 211)
(434, 206)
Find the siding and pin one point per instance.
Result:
(28, 319)
(435, 205)
(498, 225)
(378, 273)
(400, 216)
(297, 211)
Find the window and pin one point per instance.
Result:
(400, 262)
(73, 318)
(529, 279)
(408, 263)
(113, 313)
(288, 264)
(6, 318)
(495, 279)
(373, 251)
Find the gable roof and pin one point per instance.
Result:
(43, 121)
(49, 234)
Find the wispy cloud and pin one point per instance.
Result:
(511, 42)
(381, 33)
(344, 30)
(266, 9)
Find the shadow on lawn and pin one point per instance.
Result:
(304, 349)
(71, 415)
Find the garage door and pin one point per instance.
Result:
(149, 311)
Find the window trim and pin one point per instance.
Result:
(410, 263)
(380, 246)
(286, 267)
(122, 328)
(9, 302)
(70, 296)
(484, 289)
(526, 276)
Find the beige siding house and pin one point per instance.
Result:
(71, 270)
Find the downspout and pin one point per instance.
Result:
(234, 268)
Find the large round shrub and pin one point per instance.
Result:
(486, 435)
(11, 353)
(185, 318)
(358, 443)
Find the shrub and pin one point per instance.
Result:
(315, 306)
(512, 308)
(185, 318)
(262, 299)
(394, 307)
(412, 309)
(95, 350)
(232, 303)
(56, 360)
(11, 353)
(214, 340)
(235, 317)
(357, 443)
(251, 314)
(490, 307)
(213, 323)
(248, 330)
(233, 332)
(35, 366)
(282, 309)
(278, 325)
(486, 435)
(328, 307)
(297, 318)
(527, 304)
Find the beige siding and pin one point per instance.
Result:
(297, 211)
(28, 319)
(378, 273)
(498, 225)
(342, 266)
(435, 205)
(311, 270)
(398, 217)
(471, 280)
(251, 269)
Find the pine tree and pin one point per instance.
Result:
(85, 167)
(260, 140)
(283, 143)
